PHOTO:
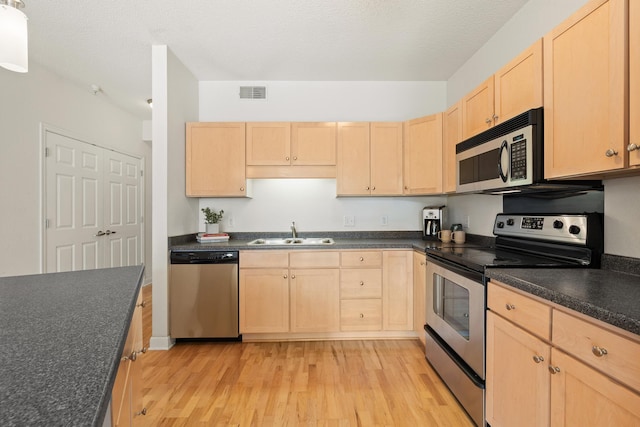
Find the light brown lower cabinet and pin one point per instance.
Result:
(578, 374)
(419, 294)
(126, 395)
(319, 292)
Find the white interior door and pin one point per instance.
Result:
(122, 210)
(92, 206)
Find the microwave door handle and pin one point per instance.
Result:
(504, 147)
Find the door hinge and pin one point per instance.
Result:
(141, 173)
(46, 151)
(46, 223)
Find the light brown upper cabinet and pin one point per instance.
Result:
(268, 144)
(215, 159)
(423, 155)
(585, 60)
(634, 84)
(369, 159)
(451, 135)
(514, 89)
(291, 150)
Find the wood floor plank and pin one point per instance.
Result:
(315, 383)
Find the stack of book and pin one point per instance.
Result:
(212, 238)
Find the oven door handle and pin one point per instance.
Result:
(504, 147)
(457, 269)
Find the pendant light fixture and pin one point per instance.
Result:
(13, 36)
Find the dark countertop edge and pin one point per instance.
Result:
(103, 405)
(588, 308)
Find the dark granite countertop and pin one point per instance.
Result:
(343, 240)
(62, 338)
(610, 296)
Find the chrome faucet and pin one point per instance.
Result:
(294, 232)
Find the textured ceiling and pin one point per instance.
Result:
(108, 43)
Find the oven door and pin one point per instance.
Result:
(455, 305)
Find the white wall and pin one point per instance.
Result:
(621, 225)
(313, 205)
(322, 101)
(476, 212)
(26, 101)
(175, 101)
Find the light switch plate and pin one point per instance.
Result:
(349, 221)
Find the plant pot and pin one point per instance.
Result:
(213, 228)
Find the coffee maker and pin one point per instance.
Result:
(433, 219)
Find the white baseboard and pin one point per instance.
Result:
(161, 343)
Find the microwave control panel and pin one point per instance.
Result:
(519, 158)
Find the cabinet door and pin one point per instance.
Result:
(268, 144)
(215, 159)
(423, 155)
(315, 300)
(451, 135)
(397, 290)
(518, 85)
(477, 109)
(313, 144)
(517, 392)
(581, 396)
(386, 159)
(634, 83)
(353, 171)
(584, 91)
(419, 294)
(264, 300)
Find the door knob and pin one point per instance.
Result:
(100, 233)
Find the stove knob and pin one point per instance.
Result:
(510, 221)
(500, 224)
(557, 224)
(574, 229)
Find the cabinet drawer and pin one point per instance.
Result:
(361, 283)
(314, 259)
(361, 259)
(361, 315)
(619, 356)
(264, 259)
(527, 313)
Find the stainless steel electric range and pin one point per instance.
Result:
(456, 289)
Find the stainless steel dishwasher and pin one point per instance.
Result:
(203, 295)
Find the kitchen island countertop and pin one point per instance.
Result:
(62, 338)
(606, 295)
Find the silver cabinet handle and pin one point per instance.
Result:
(510, 307)
(241, 188)
(361, 316)
(633, 147)
(143, 304)
(495, 117)
(368, 188)
(361, 283)
(361, 259)
(284, 277)
(598, 351)
(293, 276)
(487, 121)
(538, 359)
(143, 412)
(100, 233)
(554, 369)
(611, 152)
(373, 188)
(287, 158)
(295, 157)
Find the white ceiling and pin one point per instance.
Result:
(108, 42)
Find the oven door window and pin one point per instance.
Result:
(451, 304)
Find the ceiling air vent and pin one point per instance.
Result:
(253, 92)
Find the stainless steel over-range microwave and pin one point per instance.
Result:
(509, 158)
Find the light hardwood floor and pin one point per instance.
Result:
(316, 383)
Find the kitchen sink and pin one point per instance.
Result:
(298, 241)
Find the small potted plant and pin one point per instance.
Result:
(211, 219)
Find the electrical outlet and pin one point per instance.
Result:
(232, 221)
(384, 220)
(468, 222)
(349, 221)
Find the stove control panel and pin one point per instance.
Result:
(556, 228)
